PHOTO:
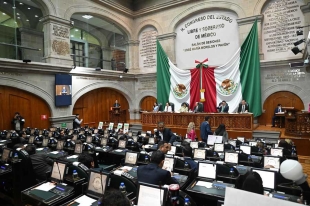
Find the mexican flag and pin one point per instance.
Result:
(237, 79)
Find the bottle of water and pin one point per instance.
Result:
(186, 165)
(75, 175)
(146, 159)
(122, 188)
(214, 154)
(187, 202)
(232, 172)
(15, 156)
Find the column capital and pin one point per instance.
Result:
(132, 42)
(171, 35)
(56, 20)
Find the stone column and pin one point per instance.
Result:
(132, 56)
(33, 39)
(56, 40)
(167, 41)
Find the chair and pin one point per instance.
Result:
(160, 107)
(172, 106)
(27, 175)
(200, 107)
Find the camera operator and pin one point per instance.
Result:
(18, 122)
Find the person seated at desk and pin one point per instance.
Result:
(164, 134)
(183, 108)
(191, 134)
(243, 107)
(168, 107)
(223, 107)
(287, 148)
(155, 107)
(187, 154)
(162, 146)
(198, 107)
(114, 198)
(86, 160)
(116, 104)
(276, 111)
(221, 131)
(253, 183)
(40, 162)
(64, 91)
(153, 172)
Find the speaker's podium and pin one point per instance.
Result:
(117, 115)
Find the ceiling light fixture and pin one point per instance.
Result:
(27, 20)
(5, 2)
(28, 7)
(17, 14)
(87, 16)
(36, 16)
(3, 13)
(20, 3)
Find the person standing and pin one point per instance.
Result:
(191, 131)
(221, 131)
(18, 122)
(116, 104)
(276, 110)
(164, 134)
(76, 122)
(205, 129)
(243, 107)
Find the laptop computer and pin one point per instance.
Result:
(103, 141)
(207, 171)
(168, 164)
(89, 139)
(131, 158)
(45, 142)
(194, 145)
(241, 139)
(268, 177)
(60, 145)
(276, 152)
(245, 149)
(219, 147)
(78, 149)
(231, 158)
(199, 154)
(122, 144)
(172, 151)
(232, 142)
(151, 140)
(272, 160)
(154, 194)
(97, 184)
(31, 140)
(252, 143)
(58, 171)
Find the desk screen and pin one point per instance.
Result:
(276, 152)
(168, 164)
(150, 196)
(194, 145)
(58, 174)
(200, 154)
(231, 157)
(274, 161)
(97, 183)
(5, 154)
(268, 178)
(219, 147)
(131, 158)
(207, 170)
(122, 144)
(245, 149)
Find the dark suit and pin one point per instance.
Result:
(276, 110)
(246, 107)
(152, 174)
(192, 163)
(168, 136)
(225, 110)
(205, 130)
(198, 108)
(41, 164)
(116, 105)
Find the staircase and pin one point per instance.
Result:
(135, 127)
(268, 136)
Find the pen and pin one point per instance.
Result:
(193, 184)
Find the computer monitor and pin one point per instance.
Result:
(168, 164)
(131, 158)
(207, 170)
(199, 154)
(232, 142)
(246, 149)
(276, 152)
(45, 142)
(135, 138)
(89, 139)
(231, 157)
(122, 144)
(5, 154)
(214, 139)
(97, 184)
(194, 145)
(103, 141)
(241, 139)
(31, 140)
(74, 138)
(152, 195)
(60, 145)
(58, 171)
(253, 144)
(268, 177)
(78, 148)
(151, 140)
(173, 149)
(276, 145)
(219, 147)
(273, 161)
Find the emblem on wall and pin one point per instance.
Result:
(61, 47)
(228, 87)
(180, 91)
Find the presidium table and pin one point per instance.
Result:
(237, 125)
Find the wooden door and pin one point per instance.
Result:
(287, 99)
(147, 103)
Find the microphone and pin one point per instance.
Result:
(160, 199)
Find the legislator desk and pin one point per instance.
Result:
(236, 124)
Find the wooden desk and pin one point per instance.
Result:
(298, 124)
(237, 125)
(281, 118)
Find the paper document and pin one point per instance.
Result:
(85, 201)
(126, 168)
(72, 156)
(55, 152)
(118, 150)
(46, 186)
(204, 184)
(39, 149)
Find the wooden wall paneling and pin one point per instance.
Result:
(147, 103)
(287, 99)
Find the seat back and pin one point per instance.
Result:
(160, 107)
(27, 173)
(201, 108)
(172, 106)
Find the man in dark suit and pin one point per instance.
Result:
(223, 108)
(116, 104)
(40, 162)
(205, 129)
(276, 110)
(153, 172)
(164, 134)
(243, 107)
(198, 107)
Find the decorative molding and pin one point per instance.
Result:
(278, 63)
(172, 35)
(305, 8)
(250, 20)
(132, 43)
(54, 19)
